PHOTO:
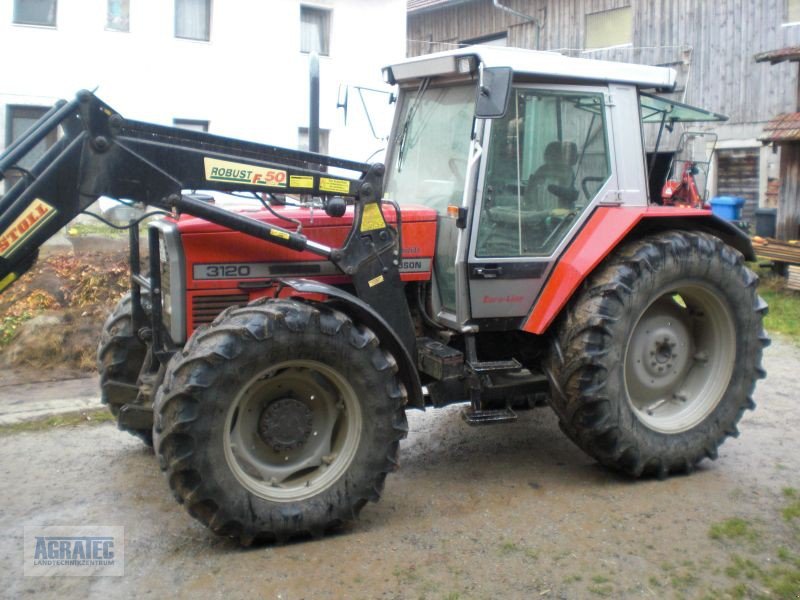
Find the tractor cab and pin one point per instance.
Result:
(514, 185)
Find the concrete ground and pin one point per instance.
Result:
(20, 402)
(510, 511)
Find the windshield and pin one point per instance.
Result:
(429, 151)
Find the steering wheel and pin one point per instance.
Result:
(590, 179)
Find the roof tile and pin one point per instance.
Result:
(783, 128)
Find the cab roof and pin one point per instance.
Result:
(550, 65)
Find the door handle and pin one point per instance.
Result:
(487, 272)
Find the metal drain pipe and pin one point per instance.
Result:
(519, 15)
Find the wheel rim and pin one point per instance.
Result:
(679, 358)
(292, 431)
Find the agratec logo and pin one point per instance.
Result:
(231, 172)
(83, 550)
(33, 217)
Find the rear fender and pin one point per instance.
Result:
(605, 230)
(361, 312)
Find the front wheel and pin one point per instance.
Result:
(656, 360)
(120, 357)
(280, 419)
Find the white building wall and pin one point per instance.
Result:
(249, 81)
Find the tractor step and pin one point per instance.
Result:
(494, 366)
(132, 416)
(488, 417)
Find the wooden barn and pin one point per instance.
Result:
(783, 132)
(710, 45)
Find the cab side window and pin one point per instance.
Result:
(548, 158)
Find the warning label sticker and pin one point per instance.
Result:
(301, 181)
(337, 186)
(375, 281)
(372, 218)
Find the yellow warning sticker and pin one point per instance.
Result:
(33, 217)
(231, 172)
(337, 186)
(372, 218)
(279, 234)
(375, 281)
(301, 181)
(7, 281)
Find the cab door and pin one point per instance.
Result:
(548, 165)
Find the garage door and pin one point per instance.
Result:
(737, 175)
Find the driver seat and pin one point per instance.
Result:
(557, 171)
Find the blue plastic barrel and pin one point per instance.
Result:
(727, 207)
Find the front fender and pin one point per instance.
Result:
(362, 312)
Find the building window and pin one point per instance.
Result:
(609, 28)
(315, 30)
(792, 11)
(193, 19)
(118, 15)
(35, 12)
(193, 124)
(302, 140)
(20, 119)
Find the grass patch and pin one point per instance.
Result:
(531, 554)
(683, 581)
(9, 325)
(742, 568)
(507, 548)
(88, 417)
(784, 308)
(600, 579)
(780, 581)
(602, 590)
(733, 529)
(792, 511)
(406, 576)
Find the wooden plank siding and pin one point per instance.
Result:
(788, 225)
(737, 175)
(710, 43)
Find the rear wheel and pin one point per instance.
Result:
(656, 360)
(120, 356)
(280, 419)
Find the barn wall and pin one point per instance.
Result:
(710, 43)
(788, 225)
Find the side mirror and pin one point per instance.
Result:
(494, 90)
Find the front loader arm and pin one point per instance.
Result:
(102, 154)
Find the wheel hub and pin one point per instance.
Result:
(679, 358)
(662, 347)
(285, 424)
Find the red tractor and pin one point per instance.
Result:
(505, 257)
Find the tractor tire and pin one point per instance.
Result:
(280, 419)
(120, 356)
(656, 359)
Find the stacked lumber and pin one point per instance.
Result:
(793, 280)
(772, 249)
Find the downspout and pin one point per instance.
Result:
(313, 108)
(519, 15)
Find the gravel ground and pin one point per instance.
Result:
(510, 511)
